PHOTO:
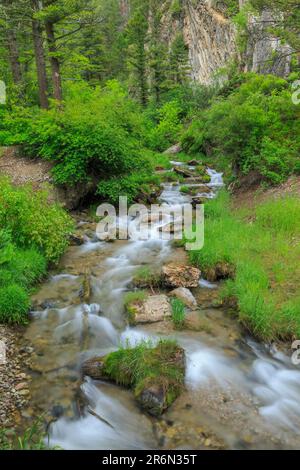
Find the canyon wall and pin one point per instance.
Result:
(211, 38)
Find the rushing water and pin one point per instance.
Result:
(244, 393)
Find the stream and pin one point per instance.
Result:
(239, 394)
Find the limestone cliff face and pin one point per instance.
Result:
(265, 53)
(211, 38)
(209, 35)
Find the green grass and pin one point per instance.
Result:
(146, 364)
(136, 296)
(146, 277)
(264, 248)
(14, 304)
(185, 189)
(33, 438)
(158, 159)
(178, 313)
(131, 301)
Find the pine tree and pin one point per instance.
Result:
(137, 34)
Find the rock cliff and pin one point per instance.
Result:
(211, 38)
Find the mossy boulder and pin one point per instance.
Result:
(154, 373)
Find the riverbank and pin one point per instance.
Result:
(15, 377)
(79, 313)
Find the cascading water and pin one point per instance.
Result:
(228, 380)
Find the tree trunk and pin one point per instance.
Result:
(55, 65)
(39, 57)
(14, 56)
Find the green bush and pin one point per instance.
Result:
(167, 131)
(33, 220)
(14, 304)
(32, 233)
(255, 128)
(25, 268)
(130, 186)
(96, 134)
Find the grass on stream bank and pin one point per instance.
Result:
(264, 248)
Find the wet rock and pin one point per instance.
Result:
(183, 172)
(194, 163)
(172, 228)
(220, 271)
(185, 296)
(181, 276)
(153, 399)
(154, 309)
(198, 200)
(204, 189)
(57, 411)
(26, 350)
(149, 197)
(76, 240)
(24, 392)
(112, 234)
(173, 150)
(47, 304)
(21, 386)
(86, 289)
(94, 368)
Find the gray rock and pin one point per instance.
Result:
(185, 296)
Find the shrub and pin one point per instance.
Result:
(97, 133)
(33, 221)
(131, 186)
(254, 128)
(14, 304)
(168, 128)
(25, 268)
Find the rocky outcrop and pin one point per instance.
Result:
(265, 53)
(180, 276)
(211, 39)
(173, 150)
(209, 35)
(185, 295)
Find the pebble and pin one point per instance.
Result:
(14, 392)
